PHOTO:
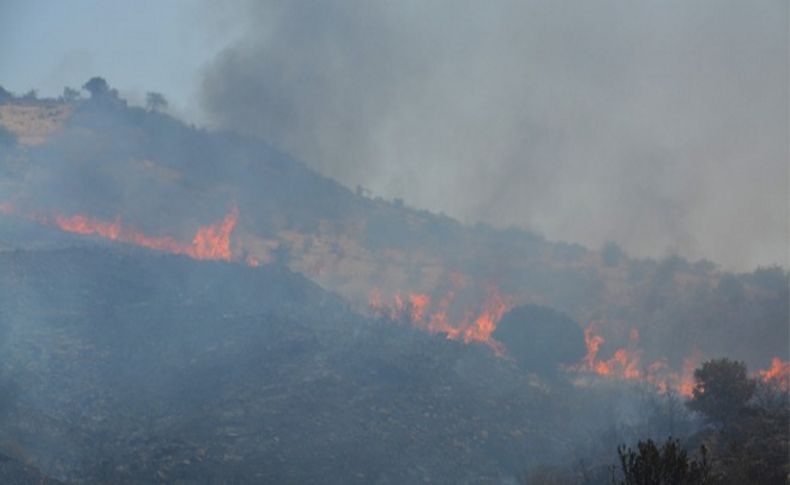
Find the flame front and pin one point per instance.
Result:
(212, 242)
(625, 364)
(422, 313)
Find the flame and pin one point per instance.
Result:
(419, 302)
(685, 384)
(625, 364)
(374, 302)
(433, 315)
(80, 224)
(493, 310)
(778, 374)
(212, 242)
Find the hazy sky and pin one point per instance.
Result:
(660, 125)
(139, 46)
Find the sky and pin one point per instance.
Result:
(140, 46)
(662, 126)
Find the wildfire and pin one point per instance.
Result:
(778, 374)
(210, 242)
(423, 313)
(625, 363)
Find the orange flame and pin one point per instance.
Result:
(80, 224)
(625, 364)
(778, 374)
(210, 242)
(434, 318)
(419, 303)
(213, 242)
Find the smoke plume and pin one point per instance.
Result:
(662, 126)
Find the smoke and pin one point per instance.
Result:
(659, 125)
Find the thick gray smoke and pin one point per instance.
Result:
(660, 125)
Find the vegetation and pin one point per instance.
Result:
(722, 392)
(541, 339)
(155, 101)
(668, 465)
(747, 435)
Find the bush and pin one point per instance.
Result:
(668, 465)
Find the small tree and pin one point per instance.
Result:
(97, 87)
(5, 95)
(70, 94)
(155, 101)
(722, 391)
(668, 465)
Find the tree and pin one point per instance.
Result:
(155, 101)
(70, 94)
(5, 95)
(97, 86)
(722, 391)
(668, 465)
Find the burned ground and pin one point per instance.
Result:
(129, 367)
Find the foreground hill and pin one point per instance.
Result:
(123, 366)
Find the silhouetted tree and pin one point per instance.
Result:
(668, 465)
(97, 87)
(102, 94)
(5, 95)
(751, 443)
(155, 101)
(722, 391)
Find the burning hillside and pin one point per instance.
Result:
(441, 277)
(480, 333)
(212, 242)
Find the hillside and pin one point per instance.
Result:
(122, 366)
(186, 306)
(150, 172)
